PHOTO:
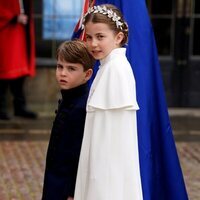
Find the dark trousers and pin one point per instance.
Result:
(16, 87)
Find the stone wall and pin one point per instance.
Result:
(42, 92)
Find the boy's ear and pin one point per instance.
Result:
(88, 74)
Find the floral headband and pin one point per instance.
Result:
(103, 10)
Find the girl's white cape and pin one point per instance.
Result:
(109, 163)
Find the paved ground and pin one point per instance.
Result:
(22, 159)
(22, 167)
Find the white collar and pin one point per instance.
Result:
(115, 52)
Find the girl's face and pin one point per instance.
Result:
(70, 75)
(101, 40)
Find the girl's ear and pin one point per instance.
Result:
(119, 38)
(88, 74)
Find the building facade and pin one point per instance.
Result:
(176, 25)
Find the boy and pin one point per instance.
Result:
(74, 69)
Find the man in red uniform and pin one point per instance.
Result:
(17, 54)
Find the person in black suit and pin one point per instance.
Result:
(74, 69)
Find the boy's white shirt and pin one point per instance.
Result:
(109, 161)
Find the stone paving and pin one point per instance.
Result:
(22, 168)
(189, 155)
(22, 161)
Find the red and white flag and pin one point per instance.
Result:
(78, 31)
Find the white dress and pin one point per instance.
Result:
(109, 162)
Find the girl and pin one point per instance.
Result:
(109, 162)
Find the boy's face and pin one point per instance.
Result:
(70, 75)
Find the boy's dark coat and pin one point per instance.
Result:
(64, 146)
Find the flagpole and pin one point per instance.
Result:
(91, 3)
(21, 5)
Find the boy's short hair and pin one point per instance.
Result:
(75, 51)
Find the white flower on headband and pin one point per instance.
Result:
(103, 10)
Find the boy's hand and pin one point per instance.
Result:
(70, 198)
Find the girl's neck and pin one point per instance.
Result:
(115, 52)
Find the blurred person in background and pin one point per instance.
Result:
(17, 53)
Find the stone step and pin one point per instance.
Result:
(185, 124)
(26, 129)
(43, 122)
(185, 120)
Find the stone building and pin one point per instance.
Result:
(176, 26)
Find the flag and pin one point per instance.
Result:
(161, 174)
(78, 31)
